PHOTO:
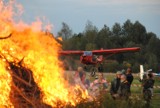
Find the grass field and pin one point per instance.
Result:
(136, 101)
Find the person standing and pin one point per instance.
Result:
(115, 83)
(151, 80)
(149, 83)
(81, 74)
(124, 89)
(129, 77)
(79, 77)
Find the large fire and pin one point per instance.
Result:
(33, 51)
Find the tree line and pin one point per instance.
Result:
(119, 36)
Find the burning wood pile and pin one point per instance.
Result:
(31, 75)
(25, 93)
(28, 83)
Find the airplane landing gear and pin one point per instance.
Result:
(93, 71)
(85, 68)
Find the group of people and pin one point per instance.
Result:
(120, 87)
(100, 84)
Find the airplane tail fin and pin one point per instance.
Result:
(141, 72)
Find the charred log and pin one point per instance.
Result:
(25, 93)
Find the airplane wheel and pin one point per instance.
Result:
(93, 71)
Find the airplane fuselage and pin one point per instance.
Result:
(90, 60)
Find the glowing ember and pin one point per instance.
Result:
(39, 50)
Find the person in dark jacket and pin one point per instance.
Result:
(124, 89)
(149, 83)
(115, 85)
(129, 77)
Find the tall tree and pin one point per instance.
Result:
(152, 61)
(65, 31)
(102, 39)
(153, 46)
(90, 32)
(127, 28)
(116, 30)
(139, 33)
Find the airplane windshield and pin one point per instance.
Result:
(87, 53)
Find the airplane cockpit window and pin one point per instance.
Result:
(87, 53)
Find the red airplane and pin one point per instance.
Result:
(95, 57)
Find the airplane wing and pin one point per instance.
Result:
(70, 52)
(156, 74)
(115, 51)
(99, 52)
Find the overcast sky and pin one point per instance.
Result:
(77, 12)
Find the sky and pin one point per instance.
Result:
(76, 13)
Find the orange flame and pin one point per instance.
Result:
(40, 52)
(5, 80)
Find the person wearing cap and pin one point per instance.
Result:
(115, 84)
